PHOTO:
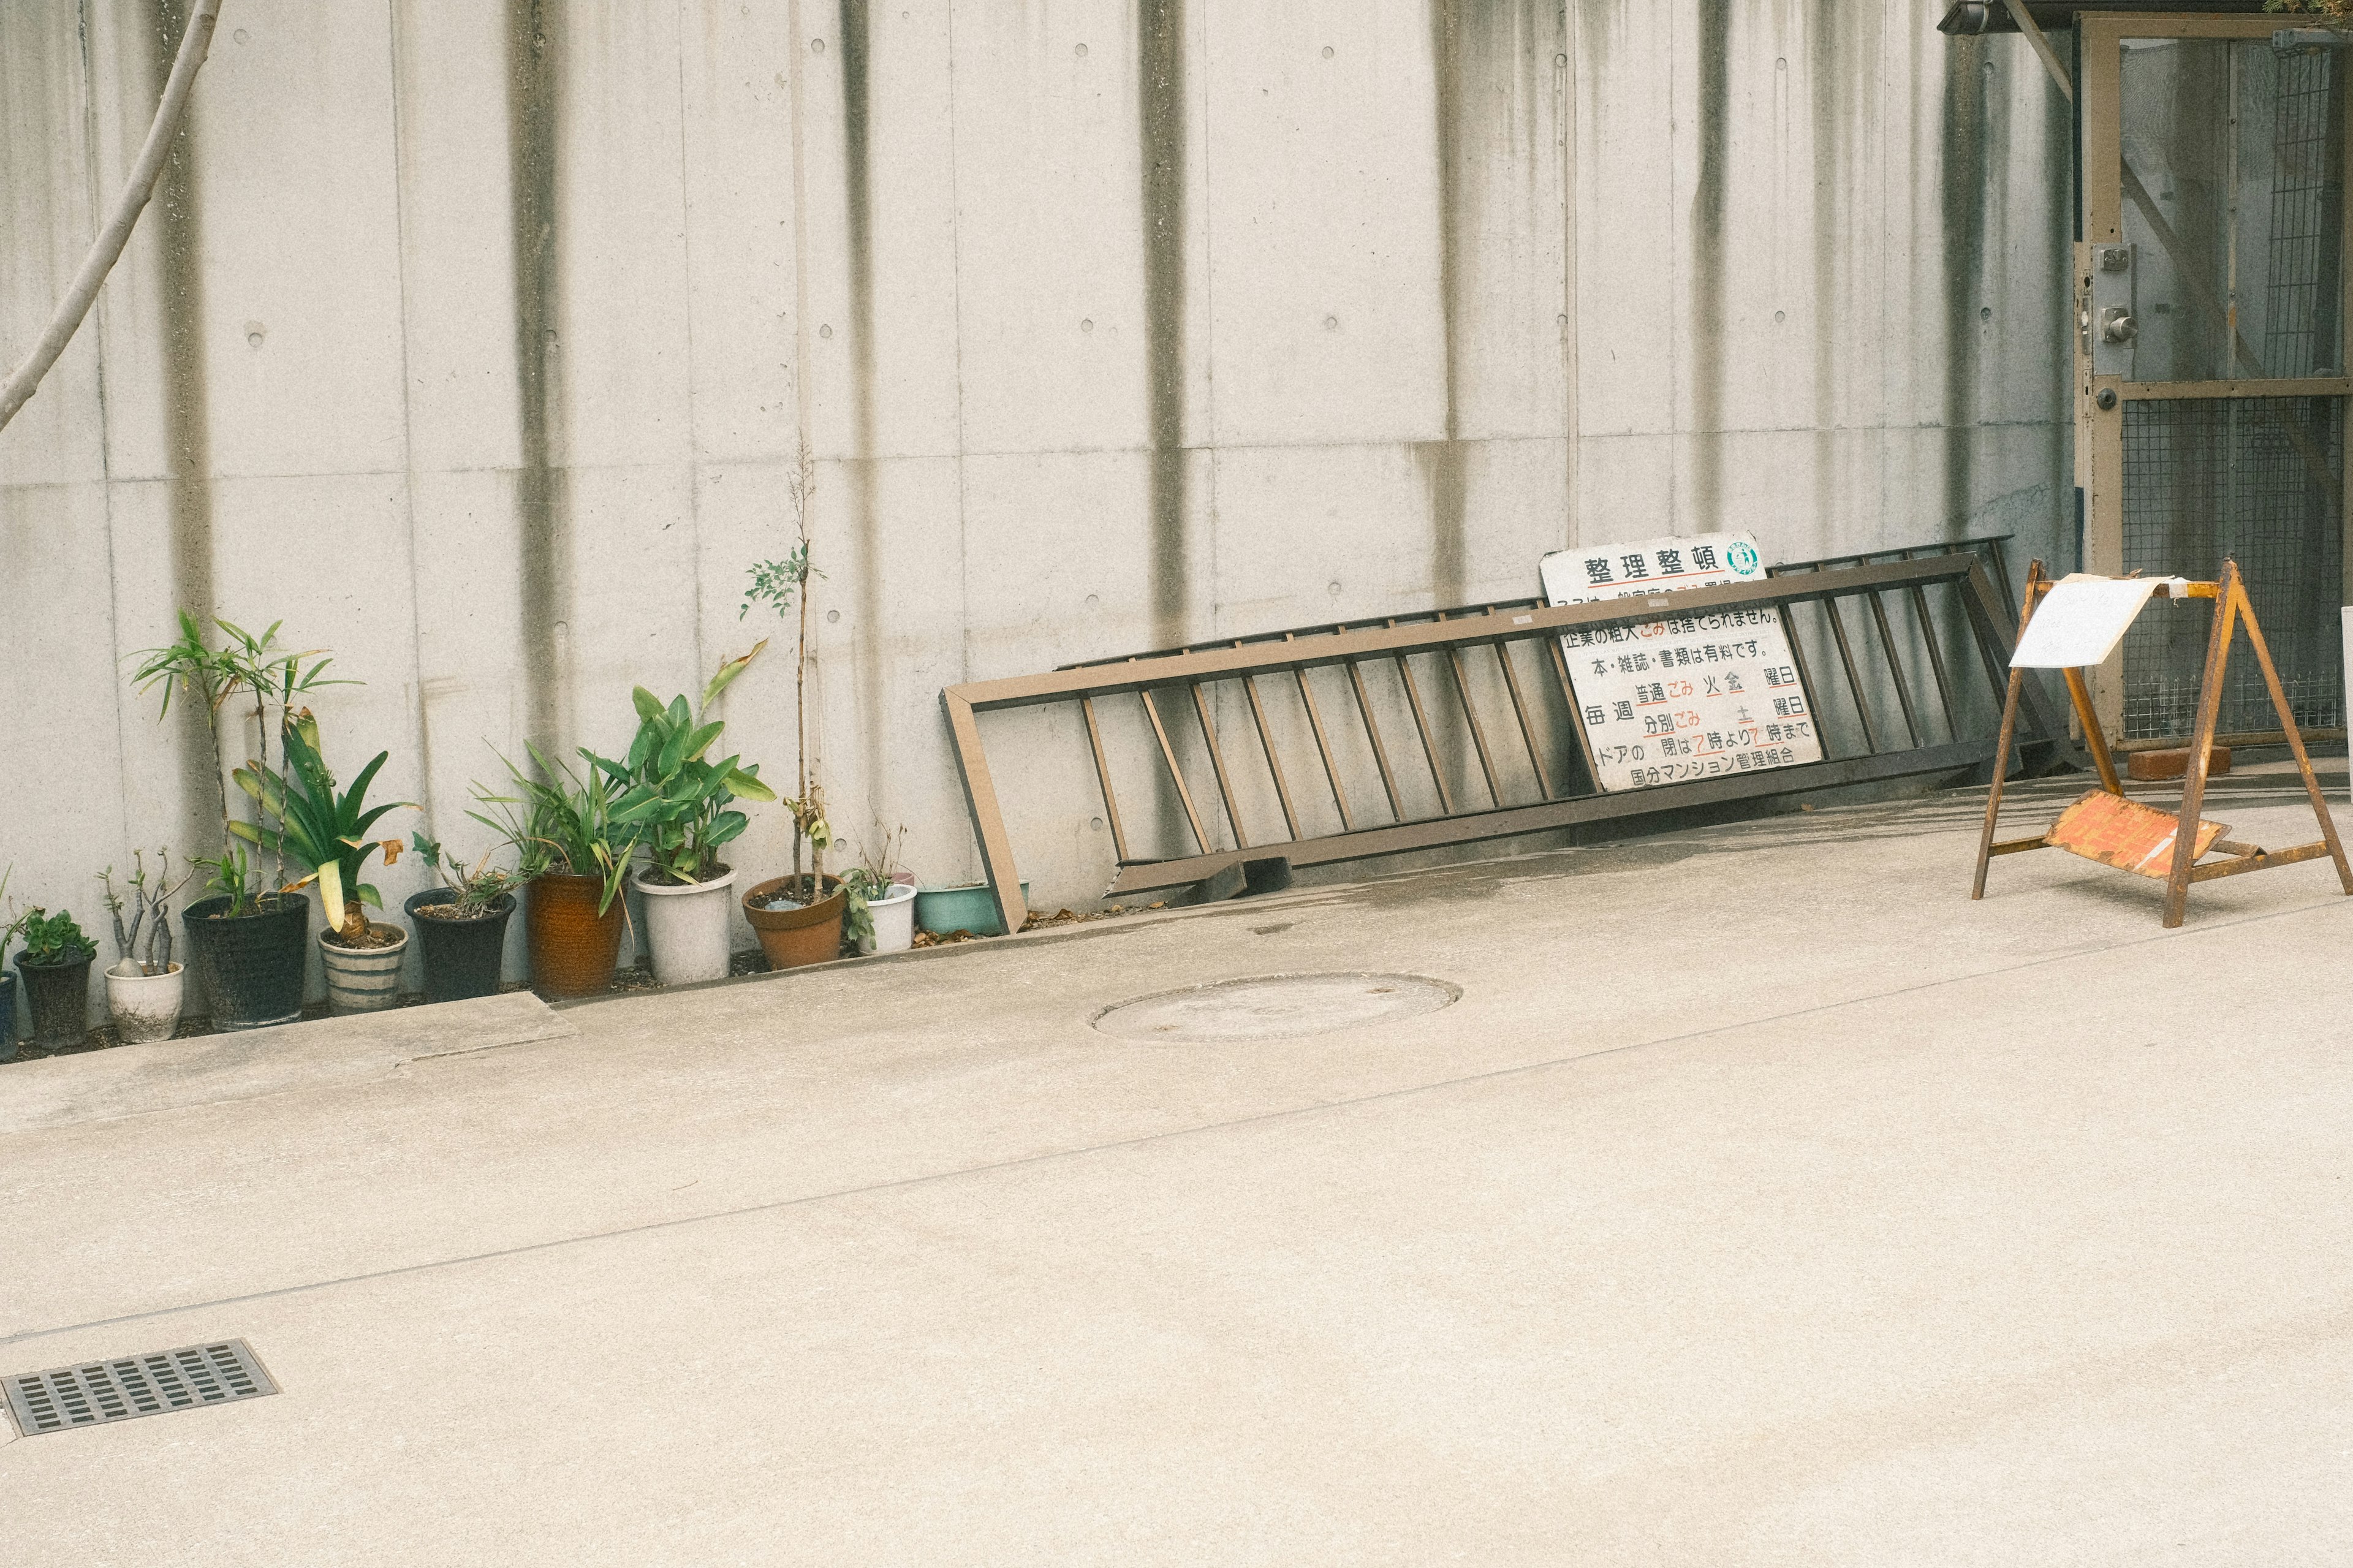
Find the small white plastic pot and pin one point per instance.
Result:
(894, 920)
(145, 1006)
(687, 928)
(365, 979)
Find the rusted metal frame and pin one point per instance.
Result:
(1543, 816)
(1321, 628)
(2201, 741)
(2228, 738)
(2328, 838)
(1520, 711)
(1996, 638)
(1217, 766)
(1853, 681)
(1804, 675)
(1936, 659)
(1323, 747)
(1421, 727)
(1273, 762)
(988, 817)
(963, 703)
(1168, 755)
(1102, 778)
(1576, 714)
(1478, 731)
(1895, 667)
(1373, 733)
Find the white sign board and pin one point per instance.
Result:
(2081, 618)
(1685, 697)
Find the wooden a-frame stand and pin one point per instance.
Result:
(2232, 609)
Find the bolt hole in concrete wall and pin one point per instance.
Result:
(1481, 281)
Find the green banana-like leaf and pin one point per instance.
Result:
(726, 673)
(698, 740)
(650, 707)
(746, 782)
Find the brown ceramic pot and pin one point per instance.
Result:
(792, 938)
(573, 948)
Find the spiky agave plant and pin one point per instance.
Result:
(320, 827)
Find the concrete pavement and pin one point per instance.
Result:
(1762, 1200)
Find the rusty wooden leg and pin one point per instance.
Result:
(2296, 743)
(2001, 768)
(2201, 746)
(2093, 736)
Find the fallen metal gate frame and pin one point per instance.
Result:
(1293, 653)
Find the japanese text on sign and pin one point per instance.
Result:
(1684, 697)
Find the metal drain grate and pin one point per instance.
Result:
(98, 1392)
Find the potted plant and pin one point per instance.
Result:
(679, 804)
(247, 941)
(461, 925)
(798, 917)
(574, 857)
(143, 987)
(55, 968)
(7, 980)
(881, 911)
(325, 830)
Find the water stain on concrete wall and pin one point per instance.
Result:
(1963, 132)
(542, 508)
(1160, 50)
(187, 414)
(858, 195)
(1834, 84)
(1707, 276)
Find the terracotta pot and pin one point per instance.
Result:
(573, 948)
(792, 938)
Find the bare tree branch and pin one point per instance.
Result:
(195, 43)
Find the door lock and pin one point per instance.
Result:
(2117, 326)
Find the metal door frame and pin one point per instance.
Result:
(2099, 433)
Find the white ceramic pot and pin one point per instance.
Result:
(143, 1007)
(363, 979)
(894, 920)
(687, 928)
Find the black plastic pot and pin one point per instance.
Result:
(8, 1016)
(58, 996)
(250, 967)
(462, 958)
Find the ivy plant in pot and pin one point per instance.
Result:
(325, 829)
(247, 940)
(461, 925)
(680, 805)
(574, 857)
(56, 969)
(143, 987)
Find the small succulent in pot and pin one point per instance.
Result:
(53, 940)
(150, 904)
(474, 889)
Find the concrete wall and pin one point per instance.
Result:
(480, 342)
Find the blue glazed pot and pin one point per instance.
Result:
(8, 1017)
(943, 909)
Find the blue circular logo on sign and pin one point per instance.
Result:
(1743, 559)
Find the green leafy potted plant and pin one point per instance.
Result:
(247, 941)
(9, 931)
(799, 916)
(574, 857)
(143, 987)
(461, 925)
(324, 829)
(681, 807)
(55, 968)
(882, 911)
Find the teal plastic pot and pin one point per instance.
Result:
(940, 910)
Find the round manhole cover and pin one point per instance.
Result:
(1275, 1007)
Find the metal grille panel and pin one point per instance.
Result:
(93, 1393)
(2259, 481)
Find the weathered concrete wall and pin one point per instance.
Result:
(480, 342)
